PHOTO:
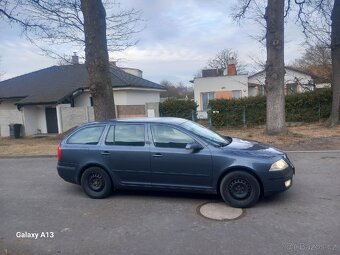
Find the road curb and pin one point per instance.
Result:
(323, 151)
(28, 156)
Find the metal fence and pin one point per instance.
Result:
(252, 115)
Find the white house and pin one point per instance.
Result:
(219, 84)
(295, 81)
(57, 98)
(227, 84)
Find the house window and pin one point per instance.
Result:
(236, 94)
(261, 90)
(91, 101)
(205, 97)
(291, 88)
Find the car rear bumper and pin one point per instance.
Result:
(67, 172)
(278, 181)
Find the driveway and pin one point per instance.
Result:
(303, 220)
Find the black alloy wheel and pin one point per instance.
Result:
(240, 189)
(96, 183)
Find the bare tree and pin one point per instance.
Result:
(222, 57)
(308, 14)
(77, 23)
(97, 59)
(335, 45)
(316, 60)
(275, 71)
(51, 24)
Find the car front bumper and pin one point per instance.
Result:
(278, 181)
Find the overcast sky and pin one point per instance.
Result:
(178, 40)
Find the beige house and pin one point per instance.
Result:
(227, 84)
(295, 82)
(219, 84)
(57, 98)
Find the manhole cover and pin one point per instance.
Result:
(219, 211)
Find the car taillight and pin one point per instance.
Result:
(59, 152)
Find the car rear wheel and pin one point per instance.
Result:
(96, 183)
(240, 189)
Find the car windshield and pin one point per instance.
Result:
(205, 134)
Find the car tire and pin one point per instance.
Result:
(240, 189)
(96, 183)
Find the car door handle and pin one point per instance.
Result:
(157, 155)
(105, 153)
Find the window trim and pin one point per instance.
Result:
(174, 127)
(114, 134)
(83, 128)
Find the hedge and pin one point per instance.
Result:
(177, 108)
(301, 107)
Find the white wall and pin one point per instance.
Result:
(136, 97)
(34, 119)
(290, 77)
(220, 83)
(9, 114)
(69, 117)
(124, 97)
(133, 71)
(253, 91)
(148, 98)
(82, 100)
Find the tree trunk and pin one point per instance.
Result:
(335, 45)
(275, 71)
(97, 59)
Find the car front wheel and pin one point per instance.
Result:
(96, 183)
(240, 189)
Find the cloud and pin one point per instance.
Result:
(179, 38)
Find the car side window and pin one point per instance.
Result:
(126, 134)
(169, 137)
(88, 135)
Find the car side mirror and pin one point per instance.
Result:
(194, 147)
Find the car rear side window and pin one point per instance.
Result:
(88, 135)
(126, 134)
(164, 136)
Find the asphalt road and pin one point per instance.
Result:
(303, 220)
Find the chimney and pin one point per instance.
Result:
(75, 58)
(232, 67)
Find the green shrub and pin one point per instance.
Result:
(302, 107)
(177, 108)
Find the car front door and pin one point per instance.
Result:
(127, 153)
(174, 165)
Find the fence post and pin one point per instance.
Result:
(244, 115)
(193, 115)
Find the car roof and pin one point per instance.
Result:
(163, 120)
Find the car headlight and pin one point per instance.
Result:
(279, 165)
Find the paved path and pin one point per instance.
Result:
(303, 220)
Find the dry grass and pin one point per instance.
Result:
(296, 134)
(28, 146)
(302, 135)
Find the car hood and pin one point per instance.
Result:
(253, 147)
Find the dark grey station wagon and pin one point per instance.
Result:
(171, 154)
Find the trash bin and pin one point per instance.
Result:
(14, 130)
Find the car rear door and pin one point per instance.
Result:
(127, 153)
(174, 165)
